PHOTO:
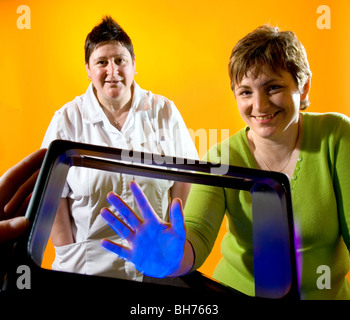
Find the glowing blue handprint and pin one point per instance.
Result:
(155, 247)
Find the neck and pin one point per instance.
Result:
(276, 154)
(114, 106)
(116, 110)
(284, 141)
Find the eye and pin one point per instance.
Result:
(244, 93)
(119, 61)
(274, 88)
(101, 62)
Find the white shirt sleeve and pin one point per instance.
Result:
(55, 132)
(52, 133)
(173, 134)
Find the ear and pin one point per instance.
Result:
(306, 89)
(88, 70)
(134, 64)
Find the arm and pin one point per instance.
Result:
(61, 233)
(61, 128)
(186, 262)
(180, 190)
(342, 177)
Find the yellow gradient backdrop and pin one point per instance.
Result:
(182, 50)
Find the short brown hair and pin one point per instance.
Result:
(107, 31)
(266, 46)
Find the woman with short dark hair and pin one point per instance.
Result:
(114, 112)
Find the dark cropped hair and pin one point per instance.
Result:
(107, 31)
(268, 47)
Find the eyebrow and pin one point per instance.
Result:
(104, 57)
(272, 80)
(264, 84)
(242, 87)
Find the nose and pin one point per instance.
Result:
(261, 102)
(112, 68)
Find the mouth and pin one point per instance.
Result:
(113, 81)
(266, 117)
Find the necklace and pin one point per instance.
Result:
(287, 158)
(116, 122)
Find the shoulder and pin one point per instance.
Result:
(71, 110)
(84, 108)
(155, 104)
(330, 124)
(329, 119)
(326, 131)
(233, 150)
(67, 120)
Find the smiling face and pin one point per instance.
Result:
(269, 103)
(111, 70)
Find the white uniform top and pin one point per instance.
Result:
(153, 125)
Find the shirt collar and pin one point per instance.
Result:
(93, 113)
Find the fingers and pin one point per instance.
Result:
(12, 207)
(22, 171)
(12, 180)
(117, 225)
(124, 210)
(119, 250)
(177, 218)
(142, 202)
(13, 228)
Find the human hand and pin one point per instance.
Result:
(16, 186)
(155, 247)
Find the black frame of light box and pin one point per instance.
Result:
(271, 208)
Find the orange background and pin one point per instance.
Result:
(182, 50)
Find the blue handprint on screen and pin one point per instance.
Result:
(155, 247)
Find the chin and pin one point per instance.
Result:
(114, 94)
(266, 133)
